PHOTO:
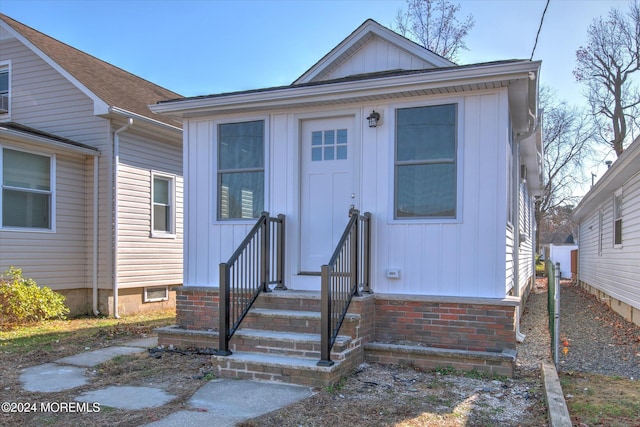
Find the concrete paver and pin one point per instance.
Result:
(127, 397)
(96, 357)
(51, 377)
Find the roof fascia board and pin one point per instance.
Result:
(99, 106)
(319, 93)
(371, 26)
(48, 142)
(623, 169)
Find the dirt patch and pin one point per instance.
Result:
(378, 395)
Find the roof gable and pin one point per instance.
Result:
(107, 85)
(372, 48)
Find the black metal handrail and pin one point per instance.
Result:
(257, 263)
(345, 276)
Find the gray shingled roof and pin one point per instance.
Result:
(29, 131)
(116, 87)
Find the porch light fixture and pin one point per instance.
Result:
(373, 119)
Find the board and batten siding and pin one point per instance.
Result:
(377, 55)
(448, 258)
(144, 260)
(613, 270)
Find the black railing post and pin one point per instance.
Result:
(223, 307)
(367, 252)
(264, 256)
(355, 261)
(325, 322)
(280, 254)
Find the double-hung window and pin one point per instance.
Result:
(4, 90)
(240, 170)
(163, 209)
(27, 190)
(426, 162)
(617, 220)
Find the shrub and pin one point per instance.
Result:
(23, 301)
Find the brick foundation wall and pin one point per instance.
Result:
(454, 323)
(197, 308)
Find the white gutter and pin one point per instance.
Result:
(94, 249)
(287, 95)
(116, 162)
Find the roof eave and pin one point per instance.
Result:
(290, 95)
(25, 137)
(624, 168)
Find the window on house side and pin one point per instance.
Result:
(4, 91)
(425, 162)
(26, 190)
(163, 205)
(600, 233)
(617, 219)
(240, 170)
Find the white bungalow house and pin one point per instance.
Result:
(444, 158)
(91, 201)
(608, 217)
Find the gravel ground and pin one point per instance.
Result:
(597, 339)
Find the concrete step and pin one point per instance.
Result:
(290, 300)
(287, 369)
(295, 321)
(285, 343)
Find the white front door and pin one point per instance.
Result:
(328, 188)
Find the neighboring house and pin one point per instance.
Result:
(557, 247)
(448, 173)
(608, 217)
(91, 202)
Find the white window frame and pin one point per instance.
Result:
(171, 233)
(216, 173)
(146, 295)
(52, 191)
(600, 231)
(6, 66)
(459, 102)
(618, 213)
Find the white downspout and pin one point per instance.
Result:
(116, 162)
(94, 273)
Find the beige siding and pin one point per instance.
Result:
(42, 98)
(144, 260)
(59, 258)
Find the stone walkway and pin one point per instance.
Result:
(212, 403)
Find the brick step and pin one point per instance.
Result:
(285, 343)
(295, 321)
(289, 300)
(287, 369)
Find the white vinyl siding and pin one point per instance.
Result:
(615, 270)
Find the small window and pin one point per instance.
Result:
(240, 170)
(425, 162)
(617, 220)
(156, 294)
(600, 232)
(163, 209)
(26, 190)
(329, 145)
(4, 90)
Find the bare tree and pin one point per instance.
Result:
(434, 25)
(566, 136)
(607, 66)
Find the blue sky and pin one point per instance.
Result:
(213, 46)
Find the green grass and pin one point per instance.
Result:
(45, 335)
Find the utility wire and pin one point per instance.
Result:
(539, 28)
